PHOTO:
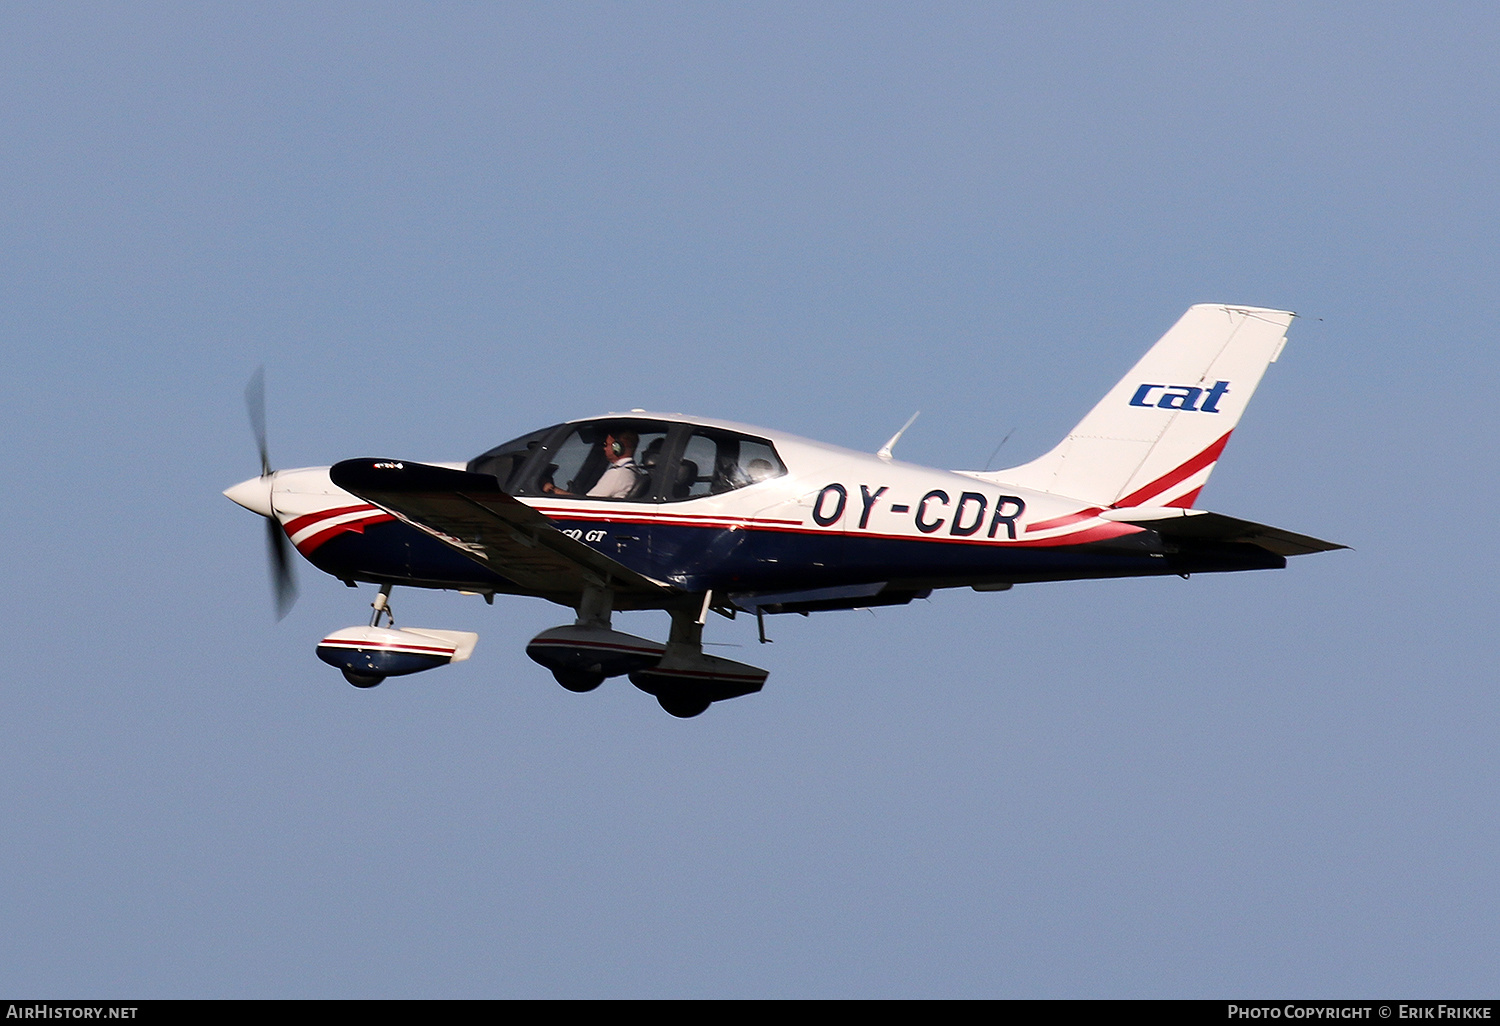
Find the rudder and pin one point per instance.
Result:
(1154, 438)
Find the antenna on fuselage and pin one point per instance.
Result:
(997, 450)
(884, 452)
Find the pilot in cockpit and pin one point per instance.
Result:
(622, 476)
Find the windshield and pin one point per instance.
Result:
(630, 459)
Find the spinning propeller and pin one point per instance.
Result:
(255, 495)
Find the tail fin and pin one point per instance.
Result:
(1154, 439)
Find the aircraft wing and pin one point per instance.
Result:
(469, 513)
(1201, 525)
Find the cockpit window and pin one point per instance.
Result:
(506, 462)
(715, 461)
(604, 459)
(630, 460)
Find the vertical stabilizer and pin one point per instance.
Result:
(1155, 437)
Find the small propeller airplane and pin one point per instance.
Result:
(646, 510)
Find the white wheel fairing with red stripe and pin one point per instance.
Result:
(388, 652)
(1115, 498)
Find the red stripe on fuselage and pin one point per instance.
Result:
(307, 520)
(638, 517)
(310, 544)
(1102, 530)
(1071, 518)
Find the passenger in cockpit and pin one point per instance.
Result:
(761, 470)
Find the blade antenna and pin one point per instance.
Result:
(885, 450)
(997, 450)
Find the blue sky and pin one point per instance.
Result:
(440, 226)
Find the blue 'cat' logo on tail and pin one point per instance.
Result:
(1182, 397)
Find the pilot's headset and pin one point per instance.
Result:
(616, 447)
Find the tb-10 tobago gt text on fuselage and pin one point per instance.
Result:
(691, 516)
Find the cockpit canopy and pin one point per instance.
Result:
(630, 459)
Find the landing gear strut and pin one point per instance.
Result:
(683, 680)
(382, 607)
(686, 682)
(583, 654)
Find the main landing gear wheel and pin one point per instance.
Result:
(682, 704)
(363, 680)
(578, 681)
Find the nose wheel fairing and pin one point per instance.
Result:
(387, 652)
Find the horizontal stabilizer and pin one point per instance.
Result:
(1201, 525)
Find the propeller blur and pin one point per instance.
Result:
(257, 495)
